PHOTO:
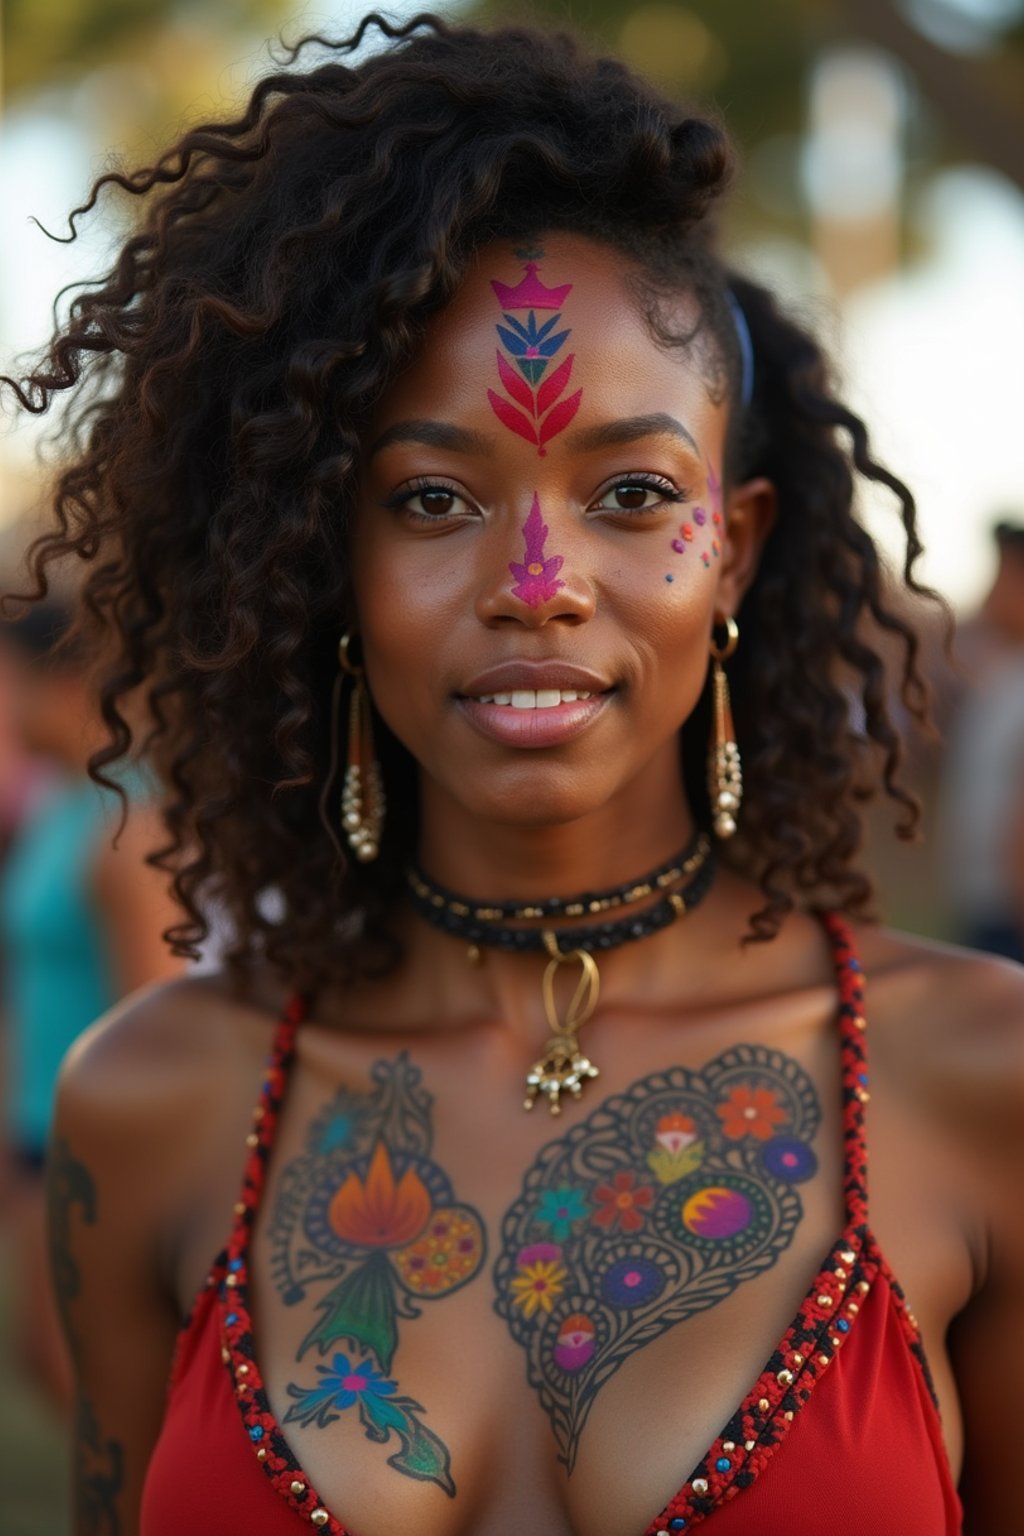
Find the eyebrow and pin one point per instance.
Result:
(434, 434)
(630, 430)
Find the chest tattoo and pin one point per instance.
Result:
(367, 1222)
(654, 1208)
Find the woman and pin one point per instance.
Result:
(428, 395)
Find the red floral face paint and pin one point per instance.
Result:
(534, 405)
(535, 576)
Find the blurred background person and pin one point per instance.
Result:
(80, 926)
(983, 794)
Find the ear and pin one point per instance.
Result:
(750, 513)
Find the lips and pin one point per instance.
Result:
(542, 679)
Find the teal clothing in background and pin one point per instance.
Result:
(56, 966)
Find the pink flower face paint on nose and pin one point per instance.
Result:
(535, 576)
(534, 404)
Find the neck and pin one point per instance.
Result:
(489, 860)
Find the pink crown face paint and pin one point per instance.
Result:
(533, 402)
(535, 574)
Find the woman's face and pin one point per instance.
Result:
(541, 517)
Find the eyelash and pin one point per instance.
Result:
(669, 494)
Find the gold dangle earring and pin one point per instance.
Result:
(725, 776)
(362, 795)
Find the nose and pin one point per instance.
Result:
(539, 586)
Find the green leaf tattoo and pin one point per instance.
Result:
(381, 1413)
(654, 1208)
(366, 1210)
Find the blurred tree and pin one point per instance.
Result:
(51, 41)
(753, 61)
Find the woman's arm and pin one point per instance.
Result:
(110, 1188)
(987, 1339)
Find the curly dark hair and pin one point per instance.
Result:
(282, 272)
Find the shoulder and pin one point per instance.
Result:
(157, 1039)
(949, 1019)
(148, 1092)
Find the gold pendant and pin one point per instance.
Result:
(563, 1068)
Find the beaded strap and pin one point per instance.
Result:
(271, 1449)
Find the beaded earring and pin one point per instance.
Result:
(725, 776)
(362, 795)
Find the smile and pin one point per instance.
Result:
(530, 698)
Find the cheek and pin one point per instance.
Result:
(405, 602)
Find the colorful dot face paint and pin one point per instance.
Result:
(534, 403)
(687, 531)
(535, 575)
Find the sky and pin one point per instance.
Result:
(932, 356)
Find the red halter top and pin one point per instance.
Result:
(838, 1435)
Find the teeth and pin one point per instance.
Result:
(530, 698)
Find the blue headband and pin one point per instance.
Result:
(739, 320)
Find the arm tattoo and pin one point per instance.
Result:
(98, 1462)
(656, 1207)
(99, 1476)
(365, 1218)
(69, 1183)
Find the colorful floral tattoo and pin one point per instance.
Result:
(535, 574)
(367, 1212)
(656, 1207)
(534, 403)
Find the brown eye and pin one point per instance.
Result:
(638, 493)
(437, 501)
(632, 497)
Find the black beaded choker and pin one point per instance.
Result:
(563, 1068)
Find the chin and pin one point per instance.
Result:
(540, 803)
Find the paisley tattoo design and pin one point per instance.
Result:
(367, 1220)
(655, 1208)
(534, 403)
(535, 574)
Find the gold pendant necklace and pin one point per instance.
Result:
(563, 1068)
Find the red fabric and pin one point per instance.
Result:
(839, 1435)
(865, 1455)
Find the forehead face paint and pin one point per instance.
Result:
(535, 575)
(534, 403)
